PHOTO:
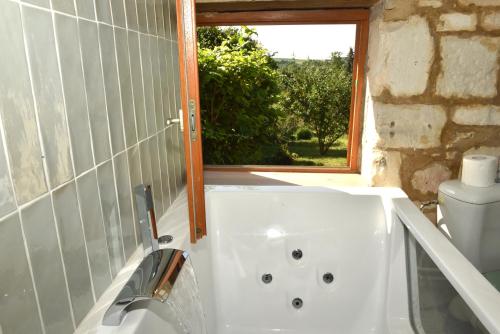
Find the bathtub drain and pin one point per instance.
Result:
(297, 303)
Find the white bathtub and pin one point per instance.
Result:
(356, 234)
(349, 233)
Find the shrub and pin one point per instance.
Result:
(304, 134)
(238, 94)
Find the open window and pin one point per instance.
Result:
(309, 121)
(187, 23)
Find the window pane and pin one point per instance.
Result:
(276, 95)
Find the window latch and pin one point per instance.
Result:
(192, 119)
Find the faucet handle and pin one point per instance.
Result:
(151, 210)
(145, 216)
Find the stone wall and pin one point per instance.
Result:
(432, 91)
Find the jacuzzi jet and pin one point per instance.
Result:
(297, 254)
(297, 303)
(328, 278)
(267, 278)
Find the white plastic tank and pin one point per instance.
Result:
(471, 218)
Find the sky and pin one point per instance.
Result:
(307, 41)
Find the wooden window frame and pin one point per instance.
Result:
(360, 18)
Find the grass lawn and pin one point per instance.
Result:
(307, 153)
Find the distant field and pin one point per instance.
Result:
(307, 153)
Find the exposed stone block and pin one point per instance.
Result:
(457, 22)
(400, 56)
(469, 67)
(491, 21)
(428, 179)
(386, 165)
(477, 115)
(398, 9)
(479, 2)
(430, 3)
(409, 126)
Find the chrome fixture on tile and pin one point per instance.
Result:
(173, 121)
(297, 254)
(153, 279)
(267, 278)
(297, 303)
(145, 215)
(328, 278)
(178, 120)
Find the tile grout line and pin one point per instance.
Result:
(78, 200)
(58, 59)
(123, 127)
(65, 275)
(170, 190)
(135, 122)
(155, 123)
(17, 212)
(165, 207)
(99, 188)
(80, 212)
(94, 160)
(35, 104)
(163, 117)
(143, 86)
(50, 190)
(109, 138)
(171, 102)
(44, 163)
(91, 149)
(75, 16)
(145, 113)
(117, 196)
(30, 267)
(163, 89)
(82, 174)
(97, 164)
(172, 77)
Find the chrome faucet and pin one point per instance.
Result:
(153, 279)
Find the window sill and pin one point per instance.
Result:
(282, 178)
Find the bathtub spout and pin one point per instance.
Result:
(153, 279)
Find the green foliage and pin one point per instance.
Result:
(212, 37)
(304, 134)
(350, 60)
(287, 125)
(238, 95)
(319, 92)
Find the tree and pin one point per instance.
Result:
(212, 37)
(350, 60)
(238, 94)
(319, 92)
